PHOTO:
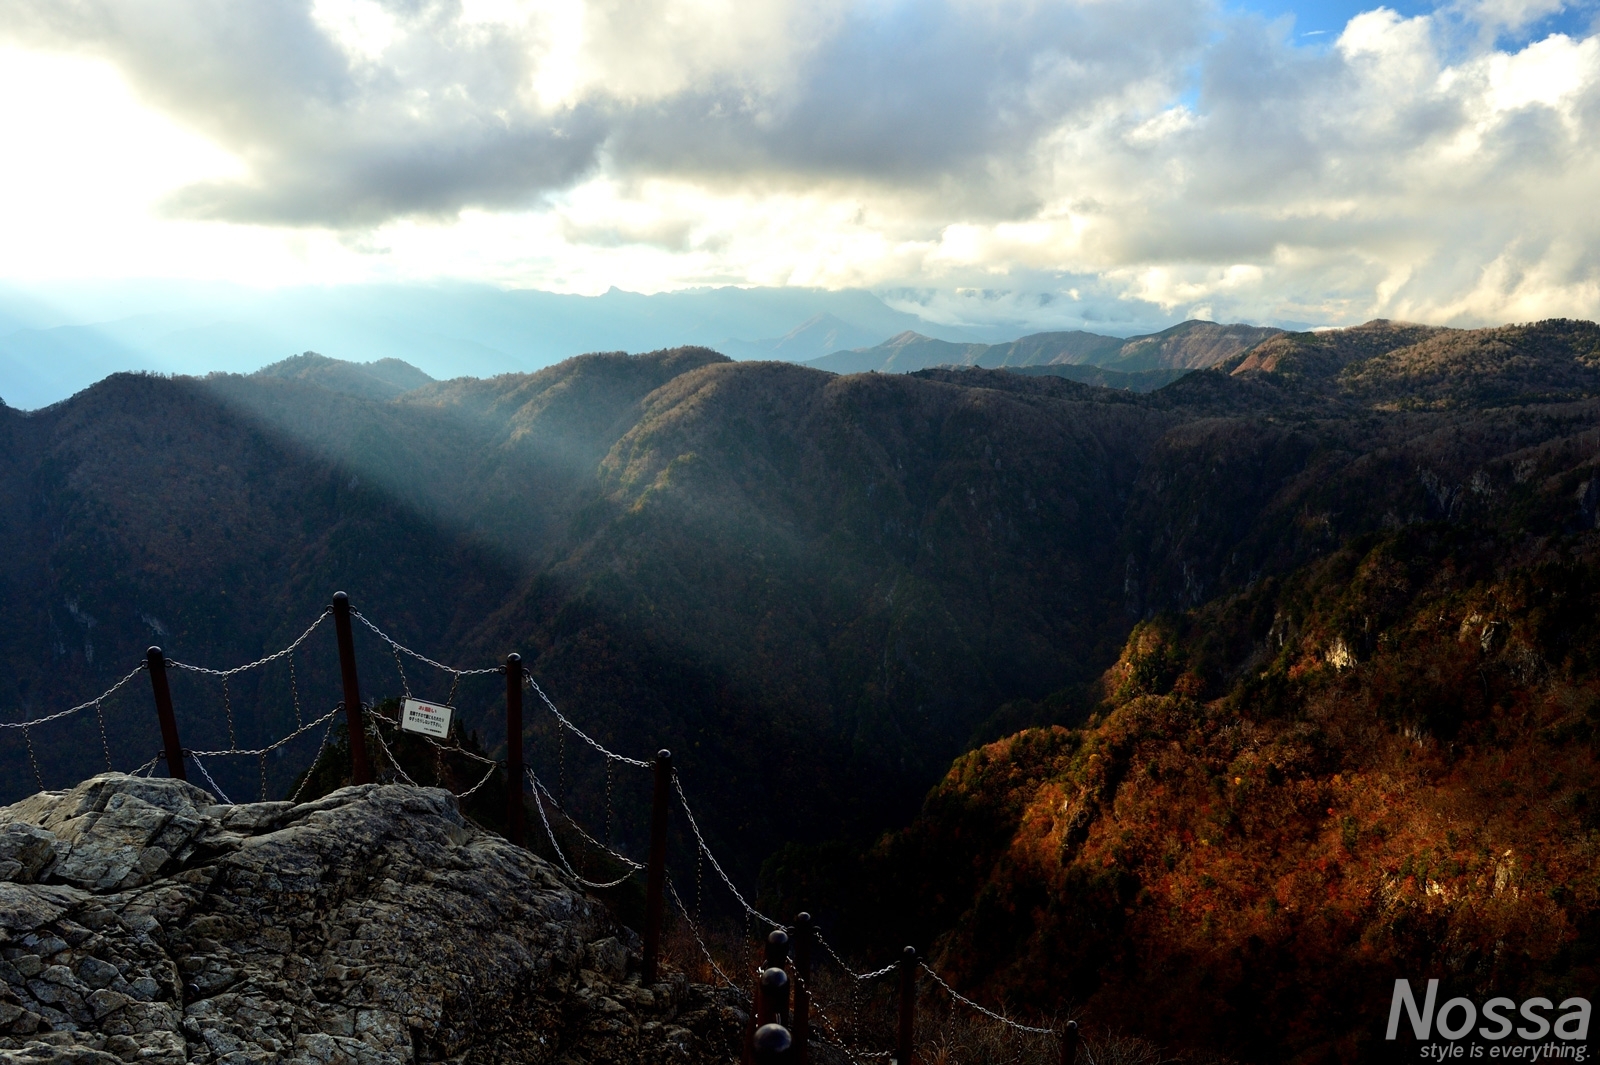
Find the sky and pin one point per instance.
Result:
(1047, 162)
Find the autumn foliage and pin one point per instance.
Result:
(1402, 782)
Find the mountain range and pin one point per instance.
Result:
(57, 340)
(1190, 345)
(60, 339)
(1283, 675)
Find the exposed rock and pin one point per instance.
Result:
(142, 922)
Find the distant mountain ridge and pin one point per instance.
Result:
(1190, 345)
(383, 379)
(57, 341)
(819, 335)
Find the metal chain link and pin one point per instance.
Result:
(295, 798)
(750, 911)
(394, 763)
(487, 776)
(573, 824)
(608, 803)
(695, 931)
(59, 714)
(827, 1022)
(259, 751)
(175, 664)
(105, 745)
(965, 1001)
(198, 764)
(294, 693)
(403, 649)
(859, 978)
(576, 731)
(539, 805)
(33, 759)
(227, 706)
(405, 683)
(439, 749)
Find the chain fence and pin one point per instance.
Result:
(376, 724)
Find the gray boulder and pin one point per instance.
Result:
(142, 922)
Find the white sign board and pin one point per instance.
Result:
(430, 719)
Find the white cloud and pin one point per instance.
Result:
(974, 159)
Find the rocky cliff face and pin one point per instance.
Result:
(140, 921)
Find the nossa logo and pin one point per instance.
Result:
(1456, 1018)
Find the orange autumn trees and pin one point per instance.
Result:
(1399, 783)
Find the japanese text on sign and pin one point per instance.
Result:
(430, 719)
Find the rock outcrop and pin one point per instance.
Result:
(142, 922)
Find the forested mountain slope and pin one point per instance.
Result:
(1353, 735)
(811, 586)
(816, 589)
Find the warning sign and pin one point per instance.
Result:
(430, 719)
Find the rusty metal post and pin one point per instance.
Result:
(360, 771)
(804, 934)
(771, 1044)
(156, 662)
(1068, 1038)
(656, 874)
(514, 826)
(904, 1044)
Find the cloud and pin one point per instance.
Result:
(346, 112)
(350, 112)
(975, 157)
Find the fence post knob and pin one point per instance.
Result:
(774, 986)
(771, 1041)
(777, 947)
(1069, 1043)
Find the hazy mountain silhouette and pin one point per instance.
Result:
(818, 335)
(383, 379)
(1187, 346)
(60, 339)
